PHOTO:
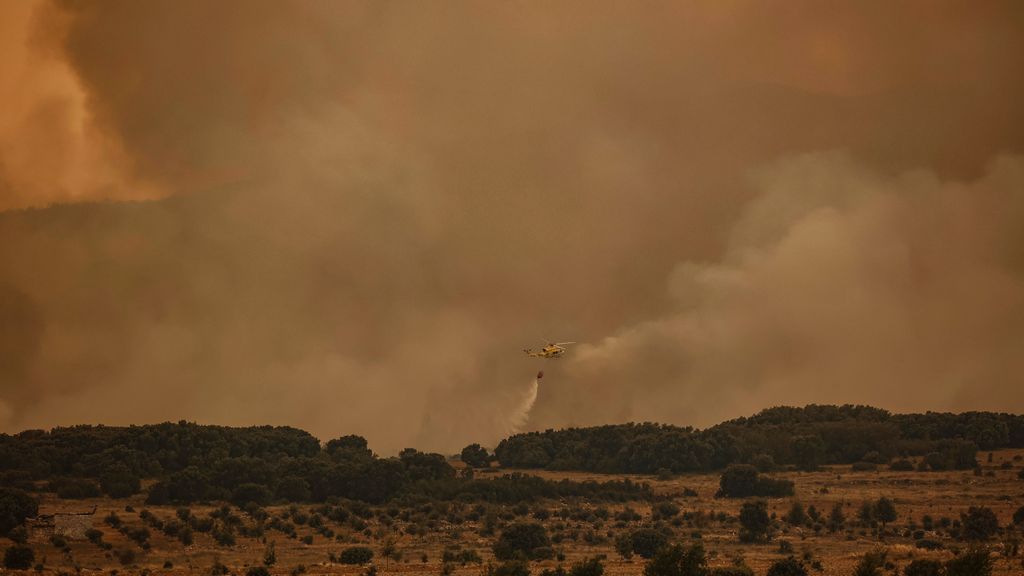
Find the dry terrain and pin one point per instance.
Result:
(579, 529)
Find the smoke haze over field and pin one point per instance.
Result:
(350, 217)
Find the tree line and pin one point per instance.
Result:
(195, 463)
(804, 437)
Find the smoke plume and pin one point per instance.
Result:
(351, 217)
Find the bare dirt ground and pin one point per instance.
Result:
(916, 494)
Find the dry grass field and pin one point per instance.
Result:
(578, 529)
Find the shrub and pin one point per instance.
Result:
(979, 523)
(677, 560)
(787, 567)
(15, 506)
(928, 544)
(871, 564)
(743, 480)
(475, 456)
(587, 567)
(1018, 516)
(664, 510)
(19, 557)
(355, 555)
(528, 540)
(126, 556)
(250, 492)
(74, 488)
(902, 465)
(294, 489)
(885, 510)
(923, 567)
(974, 562)
(118, 481)
(647, 541)
(257, 571)
(754, 521)
(510, 568)
(763, 462)
(796, 515)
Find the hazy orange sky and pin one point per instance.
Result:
(351, 216)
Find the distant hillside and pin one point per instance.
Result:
(805, 437)
(259, 464)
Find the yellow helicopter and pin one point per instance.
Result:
(552, 350)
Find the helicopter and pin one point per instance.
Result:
(552, 350)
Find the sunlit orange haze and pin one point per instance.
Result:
(350, 217)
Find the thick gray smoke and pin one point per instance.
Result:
(351, 217)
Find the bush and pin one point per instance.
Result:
(677, 560)
(511, 568)
(118, 481)
(647, 541)
(257, 571)
(929, 544)
(126, 556)
(15, 506)
(974, 562)
(1018, 516)
(871, 564)
(979, 523)
(763, 463)
(743, 480)
(754, 521)
(355, 555)
(787, 567)
(74, 488)
(475, 456)
(902, 465)
(294, 489)
(587, 567)
(796, 515)
(523, 540)
(19, 557)
(885, 510)
(922, 567)
(250, 492)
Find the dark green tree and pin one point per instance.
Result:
(677, 560)
(754, 521)
(118, 481)
(871, 564)
(1018, 516)
(796, 515)
(355, 555)
(647, 541)
(587, 567)
(787, 567)
(885, 511)
(836, 518)
(19, 557)
(979, 523)
(973, 562)
(475, 456)
(527, 540)
(924, 567)
(808, 452)
(15, 506)
(738, 481)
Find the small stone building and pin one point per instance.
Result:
(71, 525)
